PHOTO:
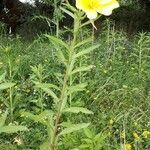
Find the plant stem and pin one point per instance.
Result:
(65, 85)
(10, 92)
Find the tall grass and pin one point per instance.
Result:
(118, 91)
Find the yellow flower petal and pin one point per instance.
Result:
(107, 8)
(92, 7)
(128, 146)
(91, 14)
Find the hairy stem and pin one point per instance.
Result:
(65, 84)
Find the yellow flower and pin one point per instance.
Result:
(128, 146)
(137, 138)
(146, 134)
(92, 7)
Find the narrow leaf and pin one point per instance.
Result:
(57, 41)
(38, 118)
(89, 133)
(67, 12)
(81, 69)
(12, 129)
(70, 7)
(74, 128)
(83, 42)
(45, 85)
(3, 118)
(86, 51)
(78, 110)
(4, 86)
(51, 93)
(76, 88)
(2, 76)
(61, 57)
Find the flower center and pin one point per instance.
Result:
(93, 5)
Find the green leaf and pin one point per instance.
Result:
(67, 12)
(78, 110)
(12, 129)
(83, 42)
(3, 118)
(42, 117)
(76, 88)
(45, 85)
(86, 51)
(80, 69)
(61, 57)
(88, 133)
(70, 7)
(45, 146)
(4, 86)
(57, 41)
(84, 146)
(51, 93)
(2, 76)
(74, 128)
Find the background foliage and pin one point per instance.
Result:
(117, 91)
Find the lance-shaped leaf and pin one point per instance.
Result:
(86, 51)
(83, 42)
(70, 7)
(81, 69)
(74, 128)
(45, 85)
(46, 88)
(41, 118)
(12, 129)
(61, 57)
(4, 86)
(89, 133)
(77, 110)
(57, 41)
(3, 118)
(67, 12)
(51, 93)
(76, 88)
(2, 77)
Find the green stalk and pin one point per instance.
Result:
(65, 84)
(10, 92)
(41, 95)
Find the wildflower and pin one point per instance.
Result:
(137, 138)
(92, 7)
(146, 134)
(128, 146)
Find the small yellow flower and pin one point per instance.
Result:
(137, 138)
(128, 147)
(92, 7)
(146, 134)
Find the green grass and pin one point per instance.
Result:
(118, 91)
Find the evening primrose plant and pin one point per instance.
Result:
(69, 53)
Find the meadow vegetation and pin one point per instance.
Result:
(103, 94)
